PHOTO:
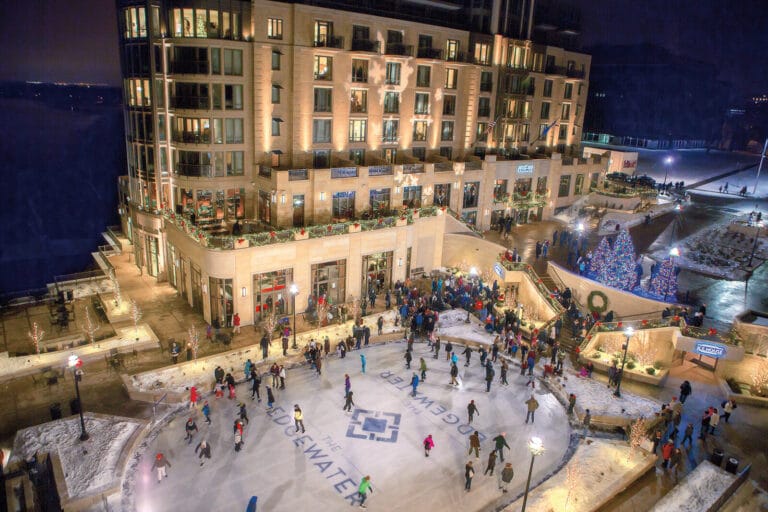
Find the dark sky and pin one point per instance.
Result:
(732, 34)
(76, 40)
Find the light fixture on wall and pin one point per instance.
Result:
(205, 288)
(399, 262)
(282, 198)
(322, 196)
(244, 291)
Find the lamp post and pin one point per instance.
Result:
(472, 274)
(536, 447)
(294, 289)
(667, 161)
(75, 363)
(758, 225)
(628, 332)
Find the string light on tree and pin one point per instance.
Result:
(599, 264)
(622, 273)
(36, 335)
(193, 341)
(637, 434)
(90, 326)
(116, 287)
(135, 315)
(664, 283)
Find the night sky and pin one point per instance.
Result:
(76, 40)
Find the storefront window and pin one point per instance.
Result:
(523, 186)
(412, 196)
(329, 281)
(500, 190)
(380, 200)
(377, 272)
(471, 193)
(565, 186)
(443, 194)
(343, 205)
(270, 293)
(541, 186)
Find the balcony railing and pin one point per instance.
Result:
(329, 42)
(190, 102)
(429, 53)
(563, 71)
(189, 67)
(443, 166)
(413, 168)
(194, 170)
(343, 172)
(380, 170)
(365, 45)
(298, 174)
(265, 172)
(191, 137)
(399, 49)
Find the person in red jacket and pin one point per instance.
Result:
(666, 452)
(428, 445)
(193, 396)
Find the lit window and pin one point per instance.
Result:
(419, 131)
(451, 78)
(357, 130)
(446, 133)
(483, 53)
(321, 130)
(391, 102)
(135, 22)
(390, 130)
(274, 28)
(358, 101)
(421, 104)
(392, 73)
(323, 67)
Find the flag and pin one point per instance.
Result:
(549, 127)
(491, 125)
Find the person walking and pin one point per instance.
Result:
(714, 421)
(500, 443)
(347, 384)
(281, 374)
(532, 404)
(467, 352)
(666, 452)
(474, 444)
(504, 369)
(380, 325)
(414, 383)
(688, 435)
(472, 410)
(348, 402)
(362, 362)
(506, 476)
(656, 440)
(728, 407)
(408, 359)
(270, 397)
(207, 412)
(205, 450)
(469, 472)
(489, 374)
(423, 368)
(491, 463)
(247, 368)
(160, 464)
(675, 461)
(243, 413)
(284, 342)
(190, 428)
(685, 391)
(428, 445)
(255, 383)
(454, 374)
(362, 490)
(298, 418)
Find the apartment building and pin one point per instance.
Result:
(271, 118)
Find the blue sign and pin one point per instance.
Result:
(499, 270)
(525, 169)
(369, 424)
(707, 348)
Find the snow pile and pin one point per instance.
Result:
(89, 467)
(452, 323)
(178, 378)
(698, 491)
(599, 399)
(599, 468)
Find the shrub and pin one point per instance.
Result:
(651, 371)
(631, 365)
(616, 362)
(596, 355)
(733, 385)
(657, 365)
(600, 348)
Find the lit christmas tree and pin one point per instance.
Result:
(664, 283)
(600, 262)
(621, 267)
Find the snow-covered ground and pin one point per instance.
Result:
(599, 468)
(698, 491)
(452, 323)
(89, 467)
(125, 340)
(381, 437)
(627, 219)
(599, 399)
(180, 377)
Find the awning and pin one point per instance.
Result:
(277, 152)
(277, 85)
(278, 119)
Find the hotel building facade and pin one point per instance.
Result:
(272, 143)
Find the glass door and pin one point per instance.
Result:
(298, 211)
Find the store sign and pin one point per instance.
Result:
(630, 164)
(710, 349)
(499, 270)
(525, 169)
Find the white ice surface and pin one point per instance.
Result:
(290, 473)
(89, 466)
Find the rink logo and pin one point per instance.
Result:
(371, 425)
(709, 349)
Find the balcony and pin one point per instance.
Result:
(429, 53)
(399, 49)
(298, 174)
(329, 42)
(563, 71)
(194, 170)
(189, 67)
(486, 86)
(191, 137)
(413, 168)
(380, 170)
(365, 45)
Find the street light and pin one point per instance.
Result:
(472, 274)
(75, 363)
(294, 289)
(758, 225)
(668, 161)
(536, 446)
(628, 332)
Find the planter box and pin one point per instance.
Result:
(354, 228)
(242, 243)
(298, 235)
(415, 214)
(402, 221)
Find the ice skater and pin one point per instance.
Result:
(472, 410)
(362, 362)
(347, 384)
(506, 476)
(500, 443)
(414, 383)
(469, 472)
(190, 428)
(243, 413)
(428, 445)
(207, 412)
(532, 404)
(270, 397)
(423, 368)
(298, 418)
(205, 450)
(255, 383)
(362, 490)
(348, 402)
(160, 464)
(491, 463)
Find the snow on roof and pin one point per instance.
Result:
(698, 491)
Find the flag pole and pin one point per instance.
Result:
(760, 167)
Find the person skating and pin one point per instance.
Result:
(190, 428)
(491, 463)
(423, 368)
(675, 461)
(348, 402)
(448, 350)
(571, 403)
(205, 450)
(500, 443)
(160, 464)
(469, 472)
(362, 490)
(489, 374)
(281, 374)
(243, 413)
(298, 418)
(270, 397)
(454, 374)
(467, 352)
(255, 383)
(414, 383)
(207, 412)
(408, 359)
(506, 476)
(472, 410)
(347, 384)
(362, 362)
(474, 444)
(428, 445)
(437, 347)
(532, 404)
(504, 369)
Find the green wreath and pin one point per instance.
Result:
(591, 299)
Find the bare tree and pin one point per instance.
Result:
(116, 287)
(270, 323)
(193, 341)
(135, 314)
(760, 378)
(90, 326)
(572, 480)
(637, 433)
(36, 335)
